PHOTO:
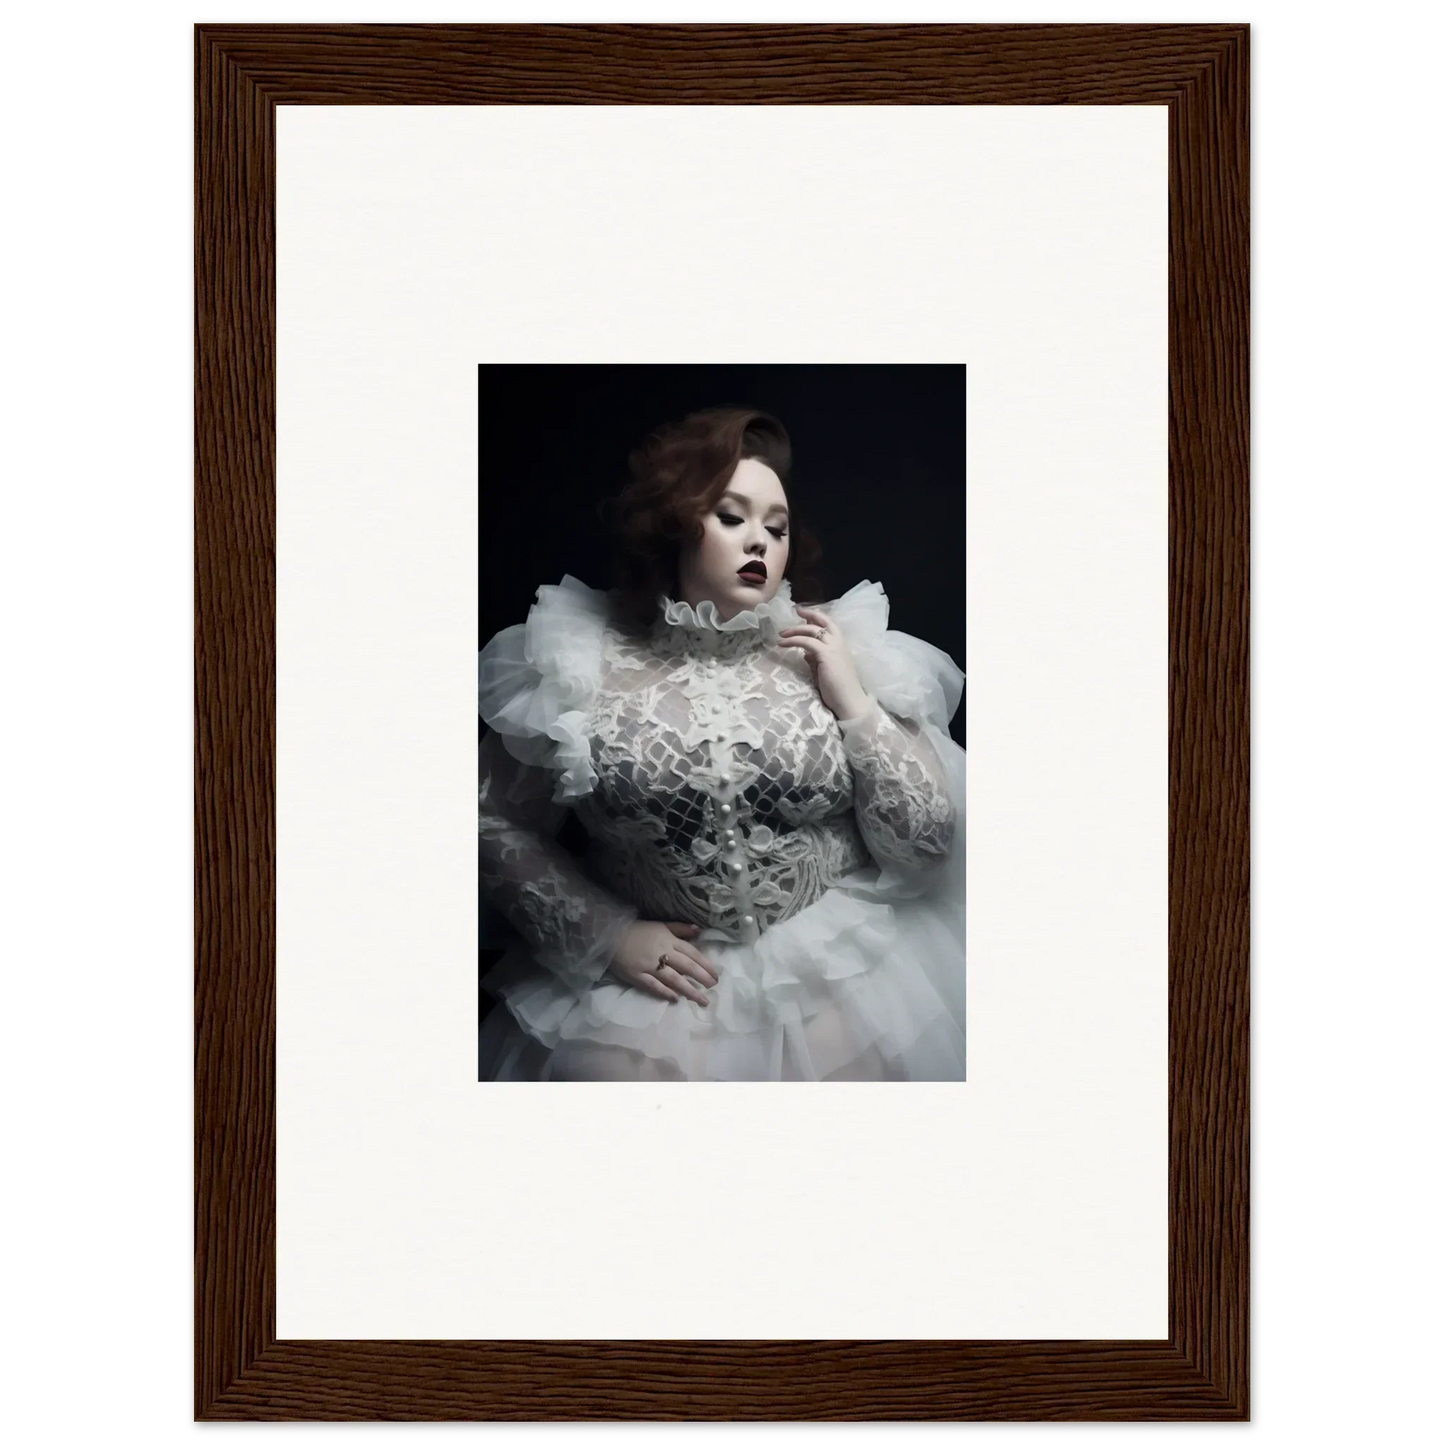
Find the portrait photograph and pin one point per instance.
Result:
(721, 767)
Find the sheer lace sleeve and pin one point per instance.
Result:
(900, 793)
(572, 924)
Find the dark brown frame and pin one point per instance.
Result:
(242, 73)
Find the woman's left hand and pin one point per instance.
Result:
(823, 644)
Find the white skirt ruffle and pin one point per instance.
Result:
(852, 987)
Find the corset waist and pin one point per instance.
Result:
(733, 888)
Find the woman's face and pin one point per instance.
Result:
(739, 561)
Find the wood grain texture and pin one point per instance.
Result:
(242, 1370)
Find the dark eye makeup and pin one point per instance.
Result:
(729, 519)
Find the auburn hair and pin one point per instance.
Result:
(677, 473)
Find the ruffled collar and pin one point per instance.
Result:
(682, 628)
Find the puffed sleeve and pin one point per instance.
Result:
(535, 684)
(908, 792)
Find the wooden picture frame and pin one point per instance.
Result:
(242, 1370)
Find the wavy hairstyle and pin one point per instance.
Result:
(677, 473)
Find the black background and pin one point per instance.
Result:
(878, 475)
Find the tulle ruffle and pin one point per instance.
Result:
(768, 618)
(909, 677)
(536, 682)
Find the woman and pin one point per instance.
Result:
(773, 887)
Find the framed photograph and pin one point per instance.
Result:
(809, 865)
(733, 391)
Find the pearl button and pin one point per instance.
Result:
(726, 809)
(748, 920)
(729, 836)
(736, 867)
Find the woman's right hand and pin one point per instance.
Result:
(687, 970)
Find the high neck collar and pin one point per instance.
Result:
(682, 628)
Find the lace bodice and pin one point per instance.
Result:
(714, 785)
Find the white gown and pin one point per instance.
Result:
(823, 860)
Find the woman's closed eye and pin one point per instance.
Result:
(728, 519)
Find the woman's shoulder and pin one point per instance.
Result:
(862, 608)
(568, 602)
(563, 613)
(537, 679)
(574, 598)
(909, 677)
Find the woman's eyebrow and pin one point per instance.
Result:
(746, 502)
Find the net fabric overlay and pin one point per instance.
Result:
(822, 860)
